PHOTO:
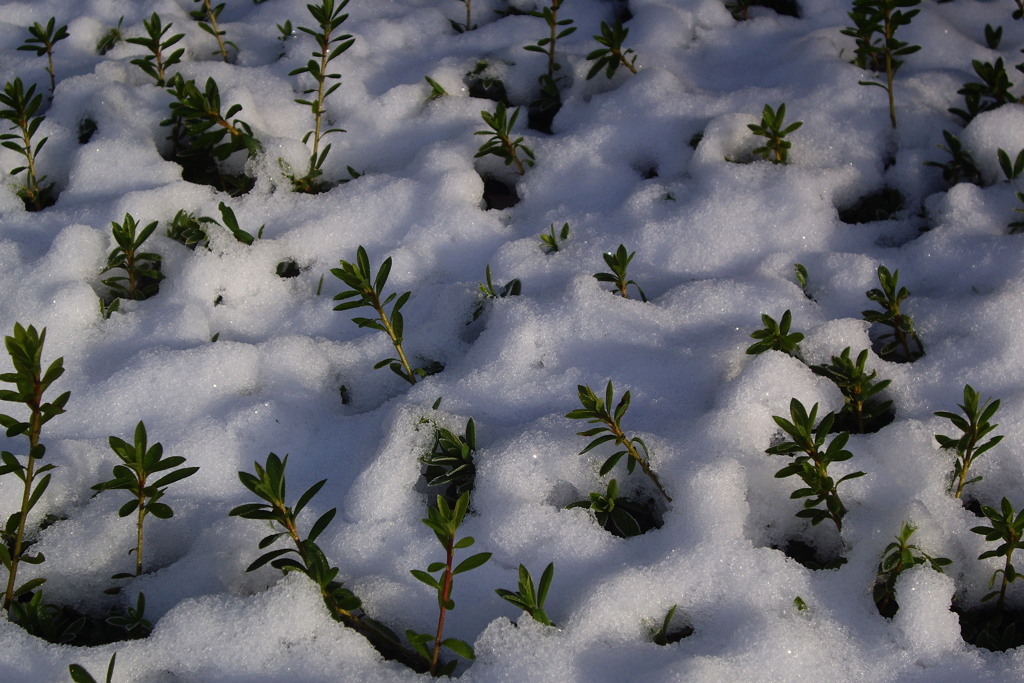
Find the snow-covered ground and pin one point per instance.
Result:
(638, 160)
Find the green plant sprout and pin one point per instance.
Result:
(1011, 169)
(875, 25)
(19, 106)
(611, 56)
(444, 521)
(550, 97)
(108, 40)
(437, 90)
(991, 92)
(801, 277)
(775, 336)
(861, 408)
(812, 465)
(500, 143)
(141, 278)
(550, 242)
(133, 621)
(488, 292)
(468, 25)
(975, 425)
(141, 462)
(665, 634)
(598, 411)
(618, 261)
(156, 63)
(205, 124)
(449, 462)
(25, 347)
(1007, 526)
(207, 16)
(903, 334)
(530, 598)
(897, 557)
(42, 40)
(776, 147)
(191, 231)
(800, 604)
(961, 166)
(613, 513)
(79, 674)
(45, 620)
(993, 36)
(330, 44)
(358, 276)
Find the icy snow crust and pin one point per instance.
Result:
(715, 245)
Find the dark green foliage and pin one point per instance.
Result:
(207, 17)
(974, 426)
(1011, 169)
(776, 336)
(800, 274)
(19, 107)
(1018, 226)
(557, 29)
(108, 40)
(550, 242)
(611, 56)
(598, 411)
(500, 143)
(617, 262)
(961, 167)
(135, 476)
(444, 521)
(141, 270)
(191, 231)
(157, 62)
(488, 291)
(25, 347)
(991, 92)
(897, 557)
(79, 674)
(776, 147)
(1007, 527)
(366, 290)
(530, 598)
(44, 620)
(821, 490)
(666, 634)
(903, 344)
(41, 41)
(437, 90)
(993, 36)
(449, 462)
(862, 409)
(613, 512)
(133, 621)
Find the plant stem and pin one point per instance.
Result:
(644, 465)
(216, 29)
(35, 427)
(139, 523)
(446, 592)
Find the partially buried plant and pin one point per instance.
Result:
(488, 291)
(991, 91)
(557, 29)
(449, 462)
(776, 146)
(1007, 527)
(862, 410)
(614, 513)
(617, 262)
(611, 56)
(136, 476)
(444, 520)
(551, 242)
(207, 16)
(156, 63)
(974, 425)
(138, 272)
(192, 231)
(25, 347)
(902, 344)
(79, 674)
(899, 556)
(776, 336)
(501, 143)
(530, 597)
(599, 411)
(112, 37)
(812, 459)
(961, 166)
(41, 41)
(468, 25)
(19, 107)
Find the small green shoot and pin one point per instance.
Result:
(904, 345)
(617, 262)
(993, 36)
(1007, 526)
(500, 143)
(141, 462)
(812, 465)
(444, 521)
(207, 16)
(437, 90)
(1011, 169)
(801, 277)
(19, 107)
(550, 242)
(611, 56)
(25, 347)
(974, 425)
(108, 40)
(666, 634)
(488, 291)
(800, 604)
(449, 462)
(990, 92)
(79, 674)
(133, 621)
(775, 336)
(598, 411)
(861, 409)
(156, 63)
(141, 270)
(897, 557)
(530, 598)
(961, 166)
(613, 512)
(557, 29)
(776, 147)
(42, 40)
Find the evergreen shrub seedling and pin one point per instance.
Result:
(614, 513)
(974, 426)
(449, 462)
(899, 556)
(961, 166)
(108, 40)
(25, 347)
(617, 262)
(557, 29)
(41, 41)
(801, 276)
(776, 336)
(862, 410)
(904, 345)
(530, 598)
(666, 634)
(19, 107)
(990, 92)
(611, 56)
(488, 291)
(156, 63)
(444, 520)
(141, 270)
(550, 242)
(207, 16)
(821, 490)
(500, 143)
(1006, 526)
(776, 147)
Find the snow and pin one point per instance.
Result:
(639, 160)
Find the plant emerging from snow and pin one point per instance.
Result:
(991, 91)
(974, 426)
(611, 56)
(468, 25)
(961, 166)
(904, 345)
(19, 107)
(550, 242)
(776, 336)
(140, 278)
(859, 389)
(501, 143)
(557, 29)
(776, 146)
(899, 556)
(1006, 526)
(449, 462)
(613, 512)
(41, 41)
(530, 598)
(156, 63)
(207, 16)
(617, 261)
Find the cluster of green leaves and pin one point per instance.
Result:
(611, 56)
(903, 344)
(991, 91)
(207, 16)
(874, 27)
(41, 41)
(811, 466)
(19, 107)
(1007, 527)
(501, 143)
(141, 462)
(776, 336)
(366, 290)
(961, 167)
(617, 262)
(550, 242)
(899, 556)
(79, 674)
(488, 291)
(530, 597)
(444, 520)
(449, 462)
(1011, 169)
(156, 63)
(557, 29)
(974, 425)
(776, 147)
(141, 270)
(30, 382)
(614, 513)
(329, 44)
(111, 38)
(862, 407)
(192, 231)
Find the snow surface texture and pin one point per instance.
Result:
(715, 245)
